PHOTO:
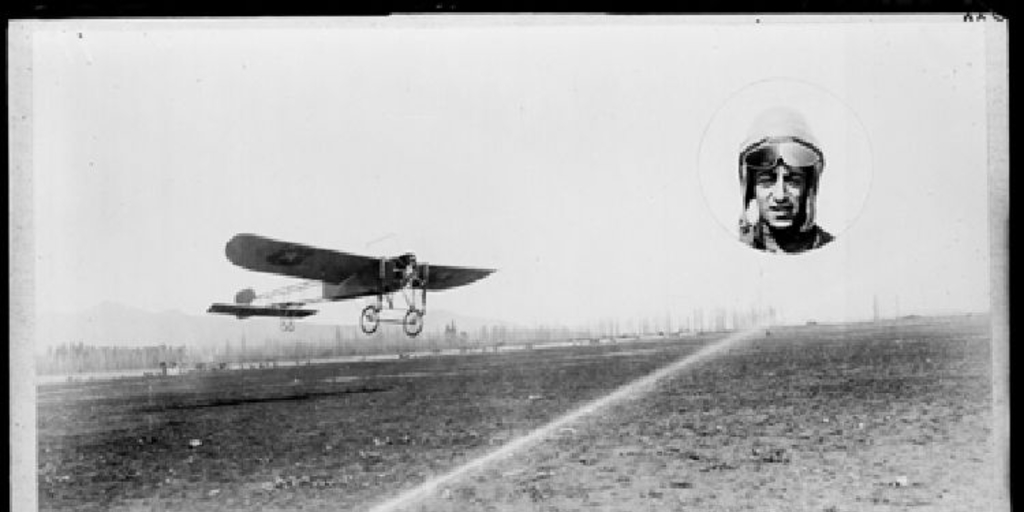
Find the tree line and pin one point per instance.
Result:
(79, 357)
(70, 358)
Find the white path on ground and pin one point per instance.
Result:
(632, 390)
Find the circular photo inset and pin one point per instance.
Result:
(785, 166)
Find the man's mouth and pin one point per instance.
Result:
(781, 211)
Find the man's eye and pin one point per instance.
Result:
(765, 179)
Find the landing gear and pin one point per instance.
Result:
(287, 325)
(369, 320)
(407, 280)
(413, 323)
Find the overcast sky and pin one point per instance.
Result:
(562, 152)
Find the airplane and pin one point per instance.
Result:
(343, 276)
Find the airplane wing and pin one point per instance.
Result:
(263, 254)
(345, 275)
(442, 277)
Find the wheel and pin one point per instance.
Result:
(413, 323)
(369, 319)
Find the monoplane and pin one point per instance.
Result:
(343, 276)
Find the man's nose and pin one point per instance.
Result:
(778, 189)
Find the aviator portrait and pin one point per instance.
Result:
(785, 167)
(780, 169)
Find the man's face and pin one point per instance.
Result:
(780, 192)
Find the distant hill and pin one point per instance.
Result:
(112, 324)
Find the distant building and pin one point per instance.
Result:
(451, 332)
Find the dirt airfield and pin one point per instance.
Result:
(886, 416)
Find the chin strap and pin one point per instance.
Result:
(810, 200)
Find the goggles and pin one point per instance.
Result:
(767, 153)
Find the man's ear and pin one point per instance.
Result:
(753, 214)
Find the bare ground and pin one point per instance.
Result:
(890, 416)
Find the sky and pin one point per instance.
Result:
(564, 152)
